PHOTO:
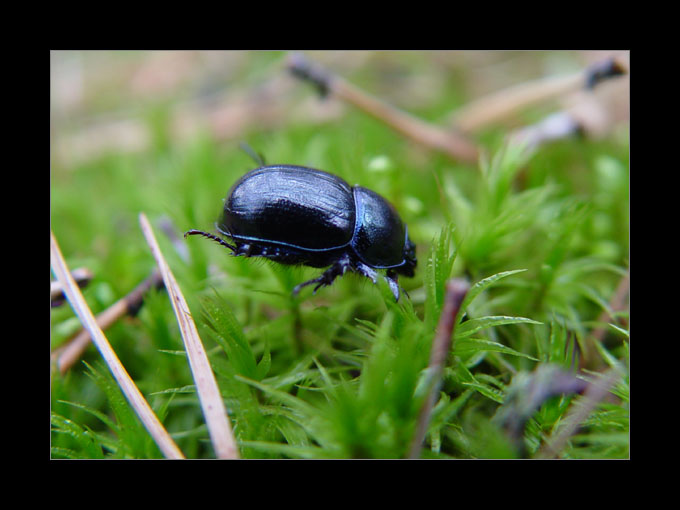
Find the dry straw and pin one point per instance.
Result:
(127, 385)
(206, 386)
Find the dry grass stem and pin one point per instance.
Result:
(209, 395)
(81, 276)
(505, 104)
(66, 355)
(447, 141)
(127, 385)
(456, 289)
(495, 108)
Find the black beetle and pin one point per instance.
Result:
(298, 215)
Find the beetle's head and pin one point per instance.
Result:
(410, 261)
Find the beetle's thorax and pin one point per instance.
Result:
(379, 233)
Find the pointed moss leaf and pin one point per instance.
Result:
(265, 363)
(365, 327)
(469, 346)
(132, 434)
(67, 453)
(470, 327)
(583, 265)
(229, 334)
(463, 375)
(591, 294)
(190, 388)
(484, 284)
(302, 452)
(437, 271)
(619, 330)
(285, 398)
(330, 386)
(486, 390)
(296, 373)
(84, 438)
(94, 412)
(173, 352)
(558, 348)
(124, 415)
(292, 432)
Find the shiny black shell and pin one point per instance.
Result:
(294, 214)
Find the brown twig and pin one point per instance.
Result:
(81, 276)
(447, 141)
(208, 392)
(497, 107)
(66, 355)
(500, 106)
(456, 289)
(127, 385)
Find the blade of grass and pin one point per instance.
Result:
(209, 395)
(132, 393)
(482, 285)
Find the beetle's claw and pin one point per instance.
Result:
(393, 282)
(394, 287)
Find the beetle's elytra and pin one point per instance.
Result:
(298, 215)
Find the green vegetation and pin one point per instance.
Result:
(542, 238)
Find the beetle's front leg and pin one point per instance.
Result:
(337, 269)
(393, 281)
(371, 273)
(390, 277)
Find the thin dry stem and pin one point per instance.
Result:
(448, 141)
(209, 395)
(505, 104)
(456, 289)
(81, 276)
(127, 385)
(494, 108)
(66, 355)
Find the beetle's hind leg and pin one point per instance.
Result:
(194, 232)
(327, 277)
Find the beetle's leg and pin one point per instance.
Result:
(368, 272)
(194, 232)
(393, 281)
(390, 277)
(371, 273)
(328, 276)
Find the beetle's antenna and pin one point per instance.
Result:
(258, 158)
(194, 232)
